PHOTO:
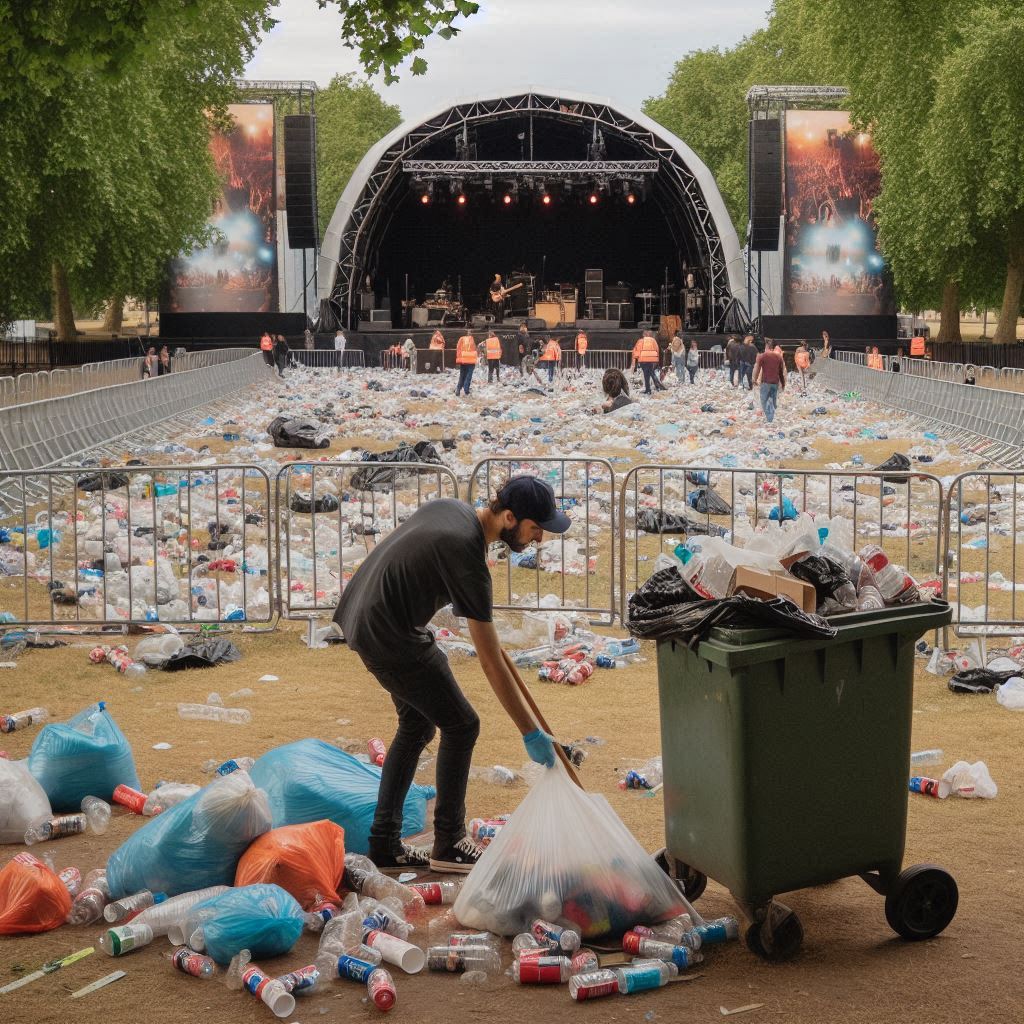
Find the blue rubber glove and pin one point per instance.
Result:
(540, 746)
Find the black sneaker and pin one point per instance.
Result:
(456, 858)
(403, 858)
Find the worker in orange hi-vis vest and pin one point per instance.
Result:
(465, 359)
(493, 357)
(267, 348)
(917, 345)
(553, 357)
(437, 340)
(647, 355)
(581, 350)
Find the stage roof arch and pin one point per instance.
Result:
(683, 188)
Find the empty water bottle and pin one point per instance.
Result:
(55, 827)
(303, 980)
(89, 903)
(893, 583)
(233, 975)
(212, 713)
(97, 813)
(118, 941)
(565, 938)
(593, 985)
(22, 719)
(682, 956)
(456, 959)
(120, 909)
(541, 970)
(718, 931)
(196, 964)
(269, 990)
(437, 893)
(922, 758)
(381, 886)
(869, 599)
(381, 988)
(640, 978)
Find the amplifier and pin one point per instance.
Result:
(594, 274)
(596, 310)
(380, 316)
(619, 310)
(366, 300)
(482, 320)
(593, 290)
(617, 293)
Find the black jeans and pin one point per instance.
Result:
(427, 698)
(692, 371)
(465, 377)
(493, 367)
(649, 370)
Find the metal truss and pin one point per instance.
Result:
(675, 185)
(471, 168)
(267, 85)
(762, 99)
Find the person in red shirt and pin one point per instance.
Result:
(770, 373)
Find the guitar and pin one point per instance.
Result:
(499, 294)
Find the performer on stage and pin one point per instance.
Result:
(497, 290)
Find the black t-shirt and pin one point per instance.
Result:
(438, 556)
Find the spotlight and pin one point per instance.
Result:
(460, 199)
(507, 199)
(425, 198)
(592, 199)
(630, 198)
(546, 199)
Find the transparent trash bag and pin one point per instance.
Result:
(565, 856)
(23, 801)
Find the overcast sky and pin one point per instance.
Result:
(623, 50)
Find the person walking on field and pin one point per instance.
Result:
(802, 360)
(733, 359)
(647, 356)
(281, 353)
(267, 348)
(465, 360)
(770, 373)
(677, 348)
(438, 556)
(748, 356)
(693, 360)
(340, 341)
(553, 357)
(493, 349)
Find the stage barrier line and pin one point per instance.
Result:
(155, 525)
(586, 485)
(327, 359)
(361, 502)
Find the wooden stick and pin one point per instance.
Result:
(532, 704)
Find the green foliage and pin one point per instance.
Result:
(387, 32)
(350, 118)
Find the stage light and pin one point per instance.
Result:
(507, 199)
(546, 199)
(630, 198)
(592, 199)
(425, 198)
(460, 199)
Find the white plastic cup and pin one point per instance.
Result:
(404, 955)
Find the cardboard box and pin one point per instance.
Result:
(756, 583)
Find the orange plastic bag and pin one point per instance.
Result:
(305, 860)
(32, 897)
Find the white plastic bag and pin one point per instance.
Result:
(971, 781)
(1011, 694)
(23, 801)
(565, 856)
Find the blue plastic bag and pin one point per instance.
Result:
(85, 756)
(194, 844)
(788, 511)
(263, 919)
(309, 780)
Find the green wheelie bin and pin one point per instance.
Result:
(786, 764)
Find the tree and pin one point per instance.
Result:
(351, 117)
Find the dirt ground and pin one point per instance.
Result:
(852, 967)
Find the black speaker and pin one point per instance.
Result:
(300, 181)
(617, 293)
(765, 184)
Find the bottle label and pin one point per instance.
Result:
(544, 970)
(920, 784)
(430, 891)
(130, 798)
(255, 981)
(301, 980)
(353, 968)
(191, 963)
(594, 985)
(712, 933)
(67, 825)
(639, 979)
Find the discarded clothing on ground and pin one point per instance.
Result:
(651, 520)
(979, 680)
(379, 478)
(302, 501)
(102, 481)
(202, 654)
(666, 607)
(898, 463)
(298, 432)
(709, 501)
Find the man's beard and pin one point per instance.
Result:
(510, 536)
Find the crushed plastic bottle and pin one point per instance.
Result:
(120, 909)
(88, 905)
(23, 719)
(212, 713)
(195, 964)
(97, 813)
(55, 827)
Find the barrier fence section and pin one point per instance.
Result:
(328, 359)
(581, 560)
(329, 516)
(984, 570)
(990, 421)
(132, 544)
(661, 506)
(43, 433)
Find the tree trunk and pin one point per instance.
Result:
(1006, 329)
(114, 315)
(63, 314)
(949, 318)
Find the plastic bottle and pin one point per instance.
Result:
(647, 776)
(542, 970)
(640, 978)
(937, 788)
(395, 951)
(235, 764)
(303, 980)
(382, 919)
(130, 798)
(437, 893)
(869, 599)
(22, 719)
(460, 939)
(584, 962)
(270, 990)
(381, 988)
(123, 662)
(233, 975)
(72, 879)
(89, 903)
(377, 750)
(97, 813)
(653, 949)
(922, 758)
(118, 941)
(212, 713)
(565, 938)
(718, 931)
(120, 909)
(617, 648)
(166, 914)
(593, 985)
(892, 583)
(55, 827)
(344, 932)
(669, 931)
(381, 887)
(456, 959)
(196, 964)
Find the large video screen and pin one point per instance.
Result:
(833, 265)
(237, 271)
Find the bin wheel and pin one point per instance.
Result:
(778, 937)
(690, 880)
(922, 902)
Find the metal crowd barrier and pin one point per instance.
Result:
(132, 544)
(44, 433)
(392, 360)
(984, 517)
(585, 488)
(987, 420)
(328, 359)
(900, 512)
(329, 516)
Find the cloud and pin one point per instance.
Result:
(624, 51)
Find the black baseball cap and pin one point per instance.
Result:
(528, 497)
